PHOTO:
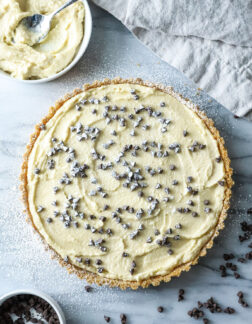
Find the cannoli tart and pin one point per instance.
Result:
(126, 182)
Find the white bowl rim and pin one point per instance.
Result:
(82, 48)
(38, 293)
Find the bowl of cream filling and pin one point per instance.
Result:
(63, 47)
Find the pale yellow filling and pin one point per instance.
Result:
(151, 259)
(57, 51)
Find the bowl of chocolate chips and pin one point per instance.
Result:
(30, 306)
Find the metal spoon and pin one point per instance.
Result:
(41, 24)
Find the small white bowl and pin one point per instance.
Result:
(81, 51)
(40, 294)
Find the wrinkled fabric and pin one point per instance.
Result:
(210, 41)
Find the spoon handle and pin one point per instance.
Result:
(68, 3)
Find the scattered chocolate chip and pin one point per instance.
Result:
(181, 294)
(195, 313)
(237, 275)
(248, 255)
(227, 257)
(107, 318)
(88, 288)
(229, 310)
(241, 300)
(160, 309)
(123, 318)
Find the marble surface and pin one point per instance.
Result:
(114, 51)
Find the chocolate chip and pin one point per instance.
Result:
(172, 167)
(221, 183)
(227, 257)
(107, 318)
(195, 313)
(88, 288)
(181, 294)
(170, 251)
(160, 309)
(123, 318)
(248, 255)
(241, 300)
(229, 310)
(237, 275)
(189, 179)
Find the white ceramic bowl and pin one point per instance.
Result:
(81, 51)
(38, 293)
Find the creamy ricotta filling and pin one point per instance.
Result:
(125, 181)
(58, 49)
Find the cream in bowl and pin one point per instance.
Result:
(23, 61)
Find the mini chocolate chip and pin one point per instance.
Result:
(87, 261)
(237, 275)
(88, 288)
(229, 310)
(170, 251)
(107, 318)
(185, 133)
(123, 318)
(241, 260)
(172, 167)
(160, 309)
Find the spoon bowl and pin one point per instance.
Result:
(38, 26)
(87, 27)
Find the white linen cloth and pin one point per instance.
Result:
(210, 41)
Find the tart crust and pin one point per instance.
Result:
(156, 280)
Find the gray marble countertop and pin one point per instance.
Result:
(113, 51)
